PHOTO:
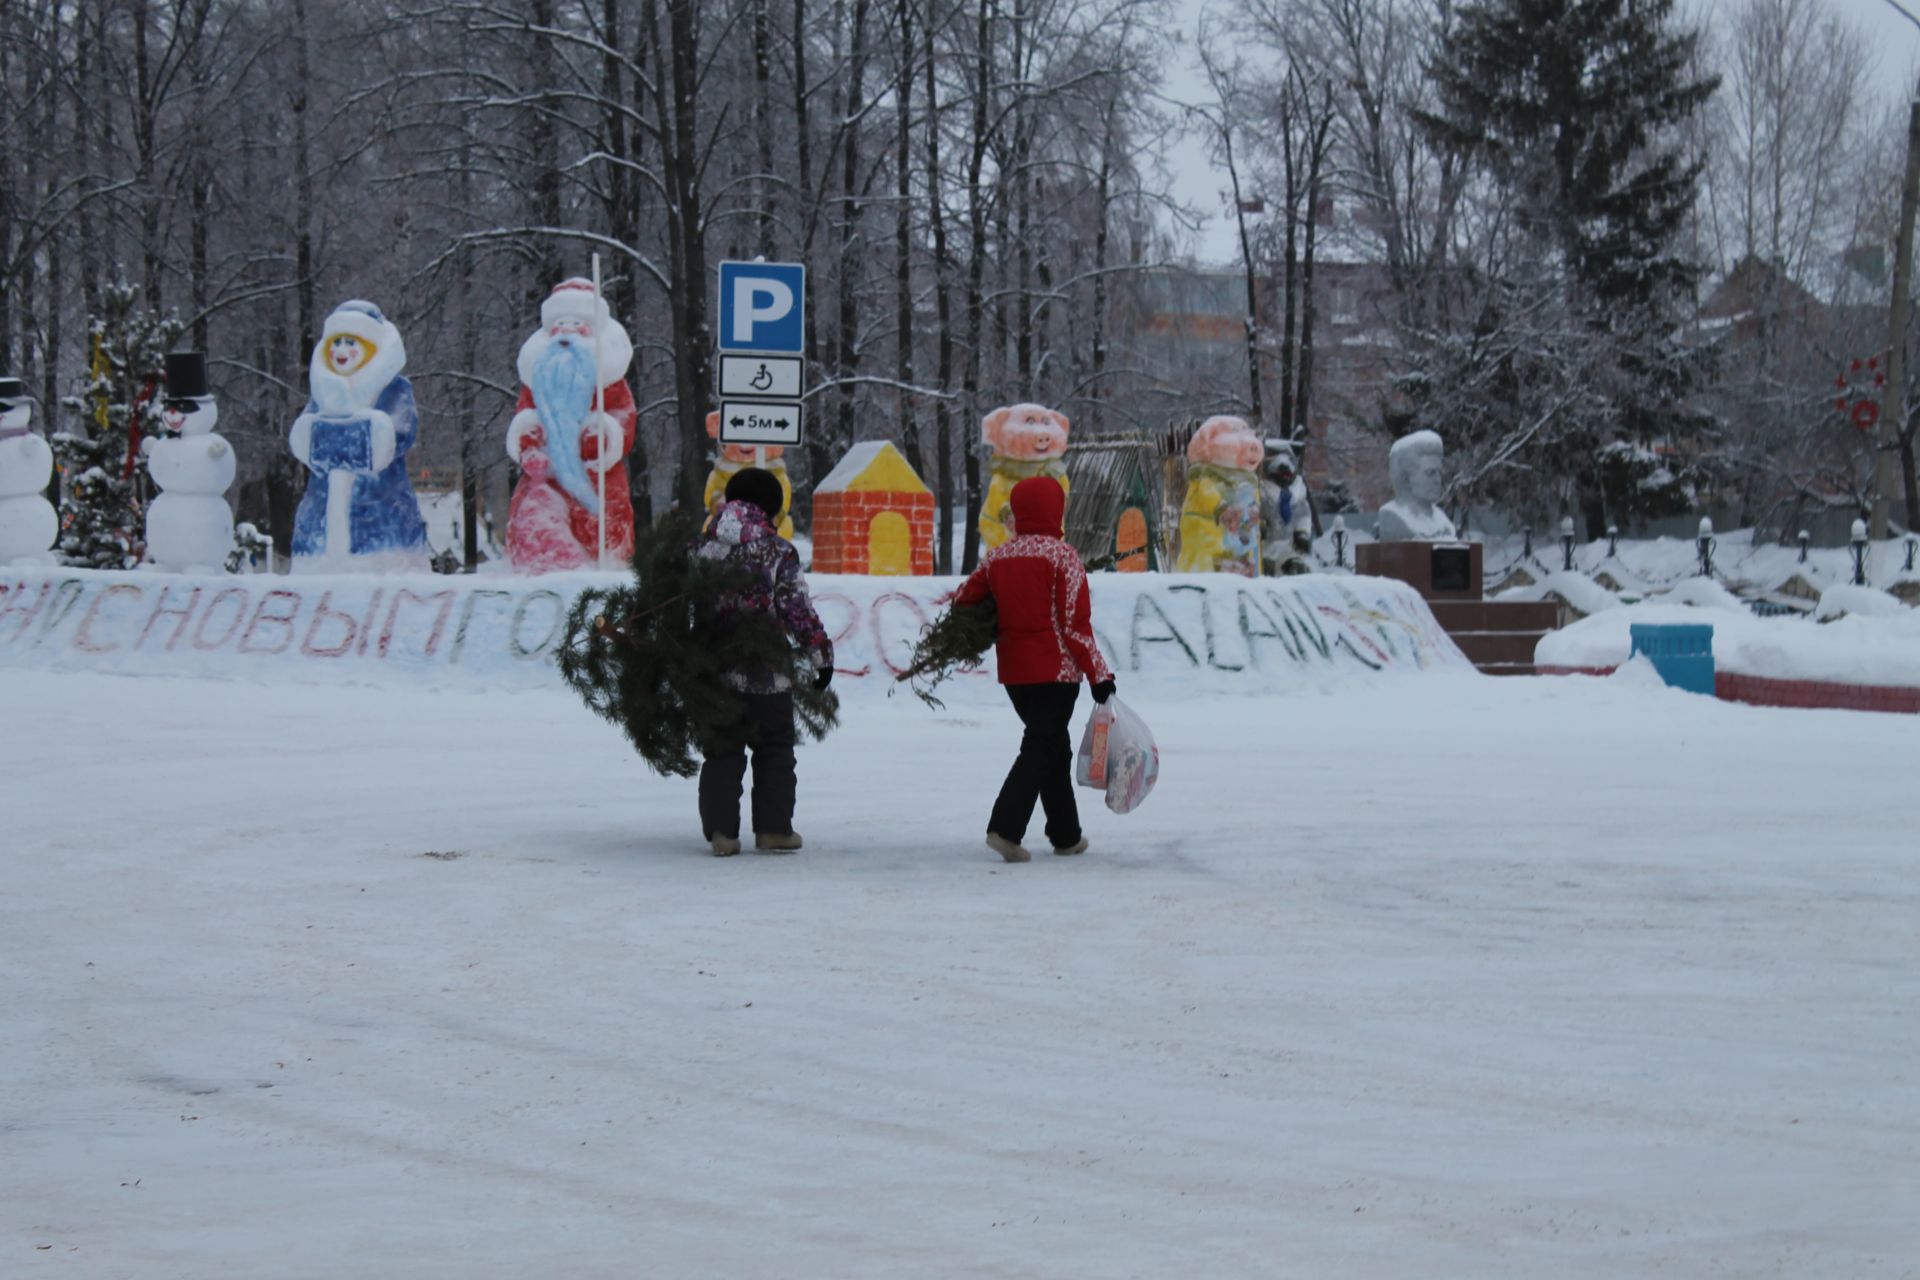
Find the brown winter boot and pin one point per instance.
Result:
(724, 846)
(1079, 846)
(1007, 848)
(776, 842)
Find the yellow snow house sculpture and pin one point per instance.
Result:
(1027, 440)
(1220, 519)
(873, 515)
(735, 457)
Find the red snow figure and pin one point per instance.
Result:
(562, 447)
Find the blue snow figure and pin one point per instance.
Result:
(359, 511)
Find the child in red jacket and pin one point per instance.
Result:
(1044, 646)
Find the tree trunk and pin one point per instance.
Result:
(943, 312)
(903, 235)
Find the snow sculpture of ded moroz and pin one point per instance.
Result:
(1416, 466)
(1027, 440)
(28, 524)
(359, 511)
(189, 525)
(1220, 518)
(564, 447)
(732, 458)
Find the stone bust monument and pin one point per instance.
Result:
(1415, 466)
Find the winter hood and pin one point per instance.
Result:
(1039, 507)
(334, 394)
(738, 523)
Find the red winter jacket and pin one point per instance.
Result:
(1040, 589)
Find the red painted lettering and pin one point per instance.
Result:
(879, 632)
(83, 637)
(160, 610)
(238, 595)
(282, 620)
(322, 613)
(440, 619)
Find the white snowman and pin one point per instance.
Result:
(189, 525)
(28, 525)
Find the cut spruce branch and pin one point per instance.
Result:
(957, 641)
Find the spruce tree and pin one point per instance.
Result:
(1568, 364)
(655, 656)
(102, 524)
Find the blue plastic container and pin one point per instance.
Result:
(1681, 652)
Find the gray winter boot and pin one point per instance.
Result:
(724, 846)
(1007, 848)
(1079, 847)
(777, 842)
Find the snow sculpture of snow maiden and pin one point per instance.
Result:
(189, 526)
(359, 512)
(1415, 465)
(1220, 519)
(564, 447)
(735, 456)
(1027, 440)
(28, 524)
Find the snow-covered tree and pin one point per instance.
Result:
(1570, 341)
(101, 470)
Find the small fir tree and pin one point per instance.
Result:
(101, 506)
(654, 657)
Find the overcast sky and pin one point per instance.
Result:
(1895, 40)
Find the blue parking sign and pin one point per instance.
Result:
(763, 307)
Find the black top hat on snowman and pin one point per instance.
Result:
(186, 380)
(13, 394)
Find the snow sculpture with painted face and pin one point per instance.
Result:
(735, 457)
(189, 525)
(28, 524)
(1027, 440)
(359, 512)
(570, 454)
(1220, 518)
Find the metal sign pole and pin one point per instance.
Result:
(599, 409)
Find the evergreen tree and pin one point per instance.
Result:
(101, 508)
(1569, 366)
(654, 657)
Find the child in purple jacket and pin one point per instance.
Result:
(741, 535)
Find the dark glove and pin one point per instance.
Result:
(1302, 541)
(1102, 690)
(822, 678)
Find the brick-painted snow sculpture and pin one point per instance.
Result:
(734, 457)
(564, 447)
(189, 525)
(359, 512)
(873, 515)
(1220, 518)
(1027, 440)
(28, 523)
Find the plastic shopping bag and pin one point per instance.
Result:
(1117, 756)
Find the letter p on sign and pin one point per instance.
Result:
(761, 307)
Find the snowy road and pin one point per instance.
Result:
(1523, 978)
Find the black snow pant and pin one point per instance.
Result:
(1044, 769)
(764, 725)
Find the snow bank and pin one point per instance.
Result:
(1843, 599)
(1855, 650)
(1211, 631)
(1577, 589)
